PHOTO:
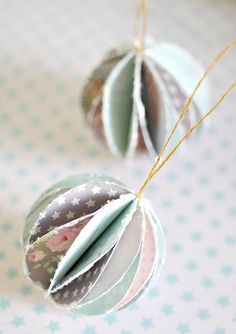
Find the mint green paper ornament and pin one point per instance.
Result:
(91, 244)
(133, 98)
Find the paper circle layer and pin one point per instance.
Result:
(132, 99)
(91, 244)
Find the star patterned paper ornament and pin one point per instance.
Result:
(92, 244)
(132, 99)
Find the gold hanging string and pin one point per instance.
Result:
(189, 101)
(156, 167)
(151, 175)
(186, 106)
(194, 127)
(140, 26)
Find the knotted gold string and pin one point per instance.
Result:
(140, 26)
(158, 165)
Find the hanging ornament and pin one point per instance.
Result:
(92, 243)
(133, 97)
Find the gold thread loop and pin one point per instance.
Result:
(157, 165)
(140, 26)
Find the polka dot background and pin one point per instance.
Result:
(46, 49)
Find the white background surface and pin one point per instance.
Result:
(46, 49)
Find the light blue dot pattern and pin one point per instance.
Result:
(46, 50)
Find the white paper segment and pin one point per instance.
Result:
(157, 232)
(105, 303)
(149, 256)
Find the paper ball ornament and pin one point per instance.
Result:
(132, 99)
(91, 244)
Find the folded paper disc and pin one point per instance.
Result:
(91, 244)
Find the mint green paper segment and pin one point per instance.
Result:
(53, 192)
(78, 179)
(102, 245)
(90, 233)
(118, 105)
(122, 257)
(105, 303)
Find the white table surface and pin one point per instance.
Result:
(46, 49)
